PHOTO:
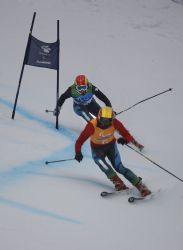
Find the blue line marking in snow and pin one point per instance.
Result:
(19, 172)
(6, 103)
(50, 125)
(37, 211)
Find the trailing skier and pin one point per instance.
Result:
(103, 145)
(84, 104)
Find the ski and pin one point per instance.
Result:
(134, 198)
(115, 192)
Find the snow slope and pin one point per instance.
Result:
(130, 50)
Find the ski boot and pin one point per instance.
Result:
(119, 184)
(144, 191)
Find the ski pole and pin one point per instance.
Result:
(147, 158)
(48, 162)
(48, 111)
(170, 89)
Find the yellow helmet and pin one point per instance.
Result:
(105, 116)
(105, 112)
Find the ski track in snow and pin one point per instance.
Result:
(36, 211)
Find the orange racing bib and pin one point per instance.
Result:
(102, 136)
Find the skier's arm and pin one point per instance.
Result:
(61, 100)
(101, 96)
(123, 131)
(127, 137)
(85, 134)
(63, 97)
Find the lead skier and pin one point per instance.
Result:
(103, 145)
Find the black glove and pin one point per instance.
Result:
(138, 145)
(79, 157)
(122, 141)
(56, 111)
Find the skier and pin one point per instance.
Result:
(103, 144)
(82, 92)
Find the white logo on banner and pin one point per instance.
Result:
(46, 49)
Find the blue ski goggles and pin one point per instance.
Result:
(81, 88)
